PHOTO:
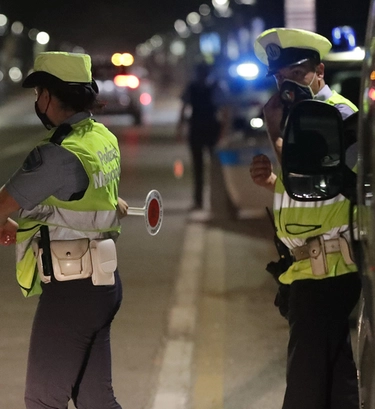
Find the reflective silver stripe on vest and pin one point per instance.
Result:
(67, 224)
(283, 200)
(332, 234)
(95, 220)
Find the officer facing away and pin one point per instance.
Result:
(321, 373)
(66, 192)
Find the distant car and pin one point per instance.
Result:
(121, 92)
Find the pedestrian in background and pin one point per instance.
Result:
(207, 122)
(323, 290)
(66, 192)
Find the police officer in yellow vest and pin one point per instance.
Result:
(66, 192)
(321, 373)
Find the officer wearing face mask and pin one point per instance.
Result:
(321, 282)
(66, 193)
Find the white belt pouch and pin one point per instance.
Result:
(82, 258)
(104, 261)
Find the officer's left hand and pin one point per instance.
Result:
(8, 232)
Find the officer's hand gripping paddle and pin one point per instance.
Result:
(152, 212)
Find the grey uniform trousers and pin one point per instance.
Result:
(70, 354)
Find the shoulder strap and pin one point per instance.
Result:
(61, 133)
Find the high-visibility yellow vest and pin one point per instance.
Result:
(93, 216)
(296, 221)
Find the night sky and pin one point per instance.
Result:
(104, 24)
(119, 25)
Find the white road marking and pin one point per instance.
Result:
(175, 375)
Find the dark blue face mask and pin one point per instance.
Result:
(43, 116)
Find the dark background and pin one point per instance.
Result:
(119, 25)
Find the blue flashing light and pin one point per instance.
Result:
(246, 70)
(249, 71)
(343, 38)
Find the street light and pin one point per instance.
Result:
(17, 28)
(42, 38)
(3, 23)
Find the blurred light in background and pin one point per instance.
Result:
(15, 74)
(78, 49)
(220, 3)
(42, 38)
(256, 123)
(248, 71)
(130, 81)
(3, 23)
(144, 50)
(17, 28)
(33, 32)
(156, 41)
(247, 2)
(125, 59)
(343, 38)
(177, 48)
(1, 75)
(371, 94)
(193, 18)
(178, 168)
(209, 43)
(145, 98)
(222, 8)
(181, 28)
(204, 9)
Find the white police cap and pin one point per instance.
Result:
(282, 47)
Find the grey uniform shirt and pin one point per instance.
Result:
(326, 93)
(49, 170)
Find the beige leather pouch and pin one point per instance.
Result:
(104, 261)
(317, 256)
(71, 259)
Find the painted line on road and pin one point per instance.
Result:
(208, 391)
(174, 383)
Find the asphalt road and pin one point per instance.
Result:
(197, 328)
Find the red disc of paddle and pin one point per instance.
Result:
(153, 212)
